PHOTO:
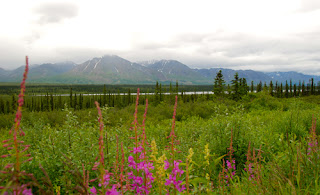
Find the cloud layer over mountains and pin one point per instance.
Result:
(266, 35)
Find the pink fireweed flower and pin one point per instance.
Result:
(23, 190)
(106, 179)
(176, 171)
(27, 191)
(231, 168)
(166, 165)
(140, 175)
(137, 150)
(313, 143)
(93, 191)
(138, 181)
(112, 191)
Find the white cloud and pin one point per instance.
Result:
(55, 12)
(262, 35)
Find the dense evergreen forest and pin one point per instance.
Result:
(55, 97)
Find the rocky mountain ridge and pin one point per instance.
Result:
(111, 69)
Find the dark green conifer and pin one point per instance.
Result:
(290, 89)
(252, 87)
(287, 90)
(303, 89)
(312, 87)
(235, 87)
(259, 87)
(271, 88)
(219, 84)
(70, 102)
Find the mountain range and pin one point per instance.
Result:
(111, 69)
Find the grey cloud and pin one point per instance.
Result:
(298, 52)
(55, 12)
(12, 53)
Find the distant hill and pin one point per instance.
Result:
(228, 74)
(3, 75)
(38, 73)
(111, 69)
(294, 76)
(173, 70)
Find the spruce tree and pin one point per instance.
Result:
(251, 86)
(307, 92)
(41, 104)
(291, 88)
(277, 90)
(219, 84)
(33, 105)
(8, 108)
(129, 97)
(235, 87)
(51, 102)
(14, 103)
(47, 102)
(312, 87)
(104, 100)
(1, 106)
(171, 94)
(160, 93)
(271, 88)
(299, 88)
(244, 86)
(109, 98)
(60, 105)
(156, 94)
(265, 87)
(303, 89)
(177, 87)
(229, 90)
(287, 90)
(80, 101)
(75, 103)
(259, 87)
(113, 100)
(70, 100)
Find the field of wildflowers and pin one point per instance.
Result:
(267, 146)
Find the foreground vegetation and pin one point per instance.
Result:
(215, 145)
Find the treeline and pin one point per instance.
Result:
(32, 89)
(239, 88)
(108, 96)
(79, 101)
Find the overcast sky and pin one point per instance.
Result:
(265, 35)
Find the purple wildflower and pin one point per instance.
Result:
(176, 171)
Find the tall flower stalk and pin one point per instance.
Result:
(176, 172)
(229, 167)
(104, 176)
(140, 175)
(13, 170)
(253, 166)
